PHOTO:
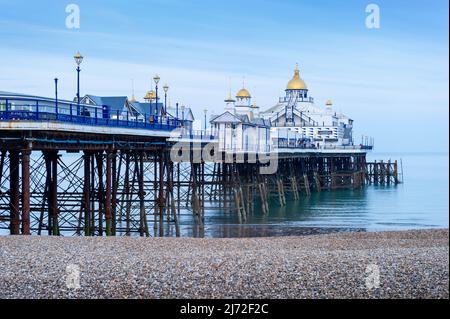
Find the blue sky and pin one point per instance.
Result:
(392, 81)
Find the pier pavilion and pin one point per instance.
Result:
(297, 115)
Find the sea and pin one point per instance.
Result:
(421, 201)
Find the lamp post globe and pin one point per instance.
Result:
(166, 89)
(206, 112)
(156, 78)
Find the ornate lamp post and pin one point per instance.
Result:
(182, 114)
(156, 78)
(56, 96)
(78, 59)
(166, 89)
(148, 99)
(206, 112)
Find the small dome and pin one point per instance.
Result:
(296, 83)
(329, 103)
(133, 99)
(243, 93)
(151, 95)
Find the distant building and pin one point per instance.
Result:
(122, 107)
(240, 128)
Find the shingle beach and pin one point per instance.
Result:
(410, 264)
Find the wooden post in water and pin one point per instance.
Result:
(396, 172)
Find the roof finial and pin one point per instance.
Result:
(229, 98)
(133, 97)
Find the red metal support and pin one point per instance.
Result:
(108, 173)
(26, 192)
(139, 167)
(161, 194)
(14, 193)
(53, 207)
(115, 186)
(100, 192)
(86, 193)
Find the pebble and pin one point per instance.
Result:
(407, 264)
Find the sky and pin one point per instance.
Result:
(392, 81)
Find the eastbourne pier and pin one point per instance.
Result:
(110, 166)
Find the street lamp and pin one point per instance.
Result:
(165, 88)
(182, 118)
(156, 78)
(56, 96)
(78, 59)
(206, 112)
(182, 113)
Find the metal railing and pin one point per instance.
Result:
(39, 110)
(293, 143)
(245, 148)
(198, 134)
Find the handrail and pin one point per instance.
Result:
(67, 112)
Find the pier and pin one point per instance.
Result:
(78, 168)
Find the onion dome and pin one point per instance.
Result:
(151, 95)
(296, 83)
(243, 94)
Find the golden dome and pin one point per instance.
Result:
(243, 93)
(151, 95)
(329, 103)
(296, 83)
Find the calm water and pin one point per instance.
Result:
(420, 202)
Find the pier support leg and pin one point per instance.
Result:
(54, 190)
(14, 193)
(115, 185)
(100, 192)
(87, 193)
(26, 192)
(108, 212)
(161, 195)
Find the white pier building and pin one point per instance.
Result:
(295, 114)
(294, 122)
